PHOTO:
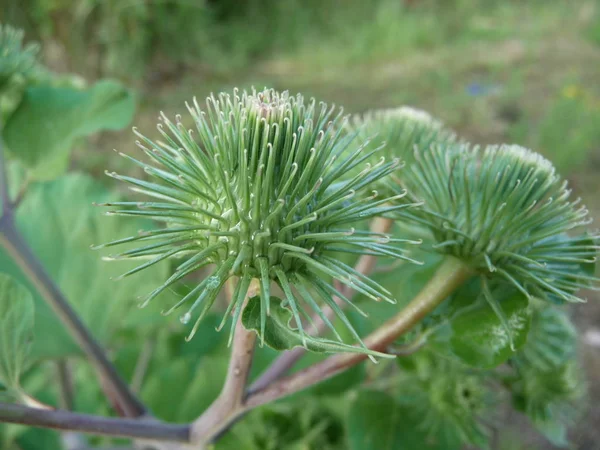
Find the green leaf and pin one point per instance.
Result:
(16, 330)
(46, 123)
(447, 399)
(477, 336)
(59, 223)
(35, 439)
(378, 422)
(196, 387)
(555, 431)
(551, 341)
(280, 335)
(310, 424)
(548, 398)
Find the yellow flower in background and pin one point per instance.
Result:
(572, 91)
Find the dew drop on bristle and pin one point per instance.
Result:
(185, 319)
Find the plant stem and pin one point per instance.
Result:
(65, 379)
(4, 190)
(450, 275)
(365, 265)
(230, 403)
(114, 386)
(65, 420)
(142, 364)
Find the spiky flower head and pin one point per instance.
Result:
(400, 129)
(16, 60)
(506, 213)
(258, 190)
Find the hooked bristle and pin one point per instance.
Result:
(260, 193)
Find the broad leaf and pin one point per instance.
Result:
(551, 341)
(59, 223)
(281, 335)
(36, 438)
(376, 421)
(196, 387)
(548, 397)
(555, 431)
(447, 399)
(478, 337)
(16, 330)
(310, 424)
(43, 128)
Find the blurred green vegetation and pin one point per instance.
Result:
(493, 70)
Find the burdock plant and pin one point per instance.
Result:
(399, 131)
(505, 215)
(259, 190)
(269, 196)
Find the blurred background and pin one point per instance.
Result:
(495, 71)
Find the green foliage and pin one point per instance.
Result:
(434, 400)
(16, 330)
(280, 334)
(377, 421)
(42, 130)
(547, 382)
(198, 384)
(568, 132)
(71, 226)
(551, 340)
(35, 439)
(308, 425)
(134, 38)
(261, 194)
(447, 400)
(547, 397)
(479, 337)
(198, 368)
(18, 63)
(385, 430)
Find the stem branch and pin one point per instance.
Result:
(114, 386)
(449, 276)
(85, 423)
(365, 265)
(230, 403)
(65, 380)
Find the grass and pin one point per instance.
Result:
(494, 74)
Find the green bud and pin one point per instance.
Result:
(401, 130)
(505, 213)
(259, 190)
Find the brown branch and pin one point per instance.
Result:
(230, 403)
(65, 380)
(365, 265)
(114, 386)
(10, 238)
(449, 276)
(85, 423)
